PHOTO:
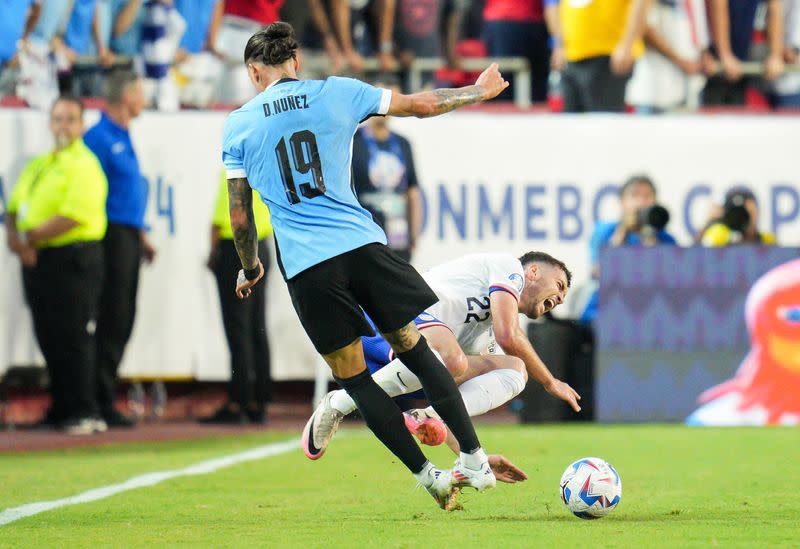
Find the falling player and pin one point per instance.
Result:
(480, 299)
(292, 143)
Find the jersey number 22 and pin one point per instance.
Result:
(305, 155)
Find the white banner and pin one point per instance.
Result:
(497, 182)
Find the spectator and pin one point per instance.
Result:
(516, 28)
(668, 74)
(199, 66)
(386, 180)
(125, 242)
(18, 20)
(37, 82)
(245, 320)
(426, 28)
(162, 30)
(320, 50)
(241, 19)
(732, 22)
(56, 219)
(126, 30)
(636, 227)
(601, 41)
(736, 222)
(786, 91)
(357, 21)
(82, 36)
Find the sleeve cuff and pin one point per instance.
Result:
(386, 100)
(235, 173)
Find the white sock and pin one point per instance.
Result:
(425, 477)
(475, 460)
(490, 390)
(394, 378)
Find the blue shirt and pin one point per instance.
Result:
(293, 142)
(53, 12)
(197, 14)
(742, 14)
(127, 189)
(12, 25)
(129, 42)
(605, 229)
(78, 34)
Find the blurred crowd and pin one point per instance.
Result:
(586, 55)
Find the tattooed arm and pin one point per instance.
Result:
(245, 235)
(433, 103)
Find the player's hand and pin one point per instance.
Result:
(559, 389)
(243, 285)
(505, 471)
(492, 82)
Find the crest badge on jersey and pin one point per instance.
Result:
(517, 281)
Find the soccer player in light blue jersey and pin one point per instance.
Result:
(292, 143)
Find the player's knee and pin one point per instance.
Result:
(519, 365)
(456, 363)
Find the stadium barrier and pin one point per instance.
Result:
(491, 182)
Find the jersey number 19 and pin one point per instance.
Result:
(305, 155)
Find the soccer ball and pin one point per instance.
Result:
(591, 488)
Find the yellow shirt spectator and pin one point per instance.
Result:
(222, 217)
(592, 28)
(68, 183)
(719, 234)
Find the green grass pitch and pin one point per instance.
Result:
(682, 487)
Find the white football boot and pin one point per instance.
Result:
(320, 428)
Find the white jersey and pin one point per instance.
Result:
(463, 287)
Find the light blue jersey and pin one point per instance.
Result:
(293, 143)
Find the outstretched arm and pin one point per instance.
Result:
(433, 103)
(245, 234)
(514, 342)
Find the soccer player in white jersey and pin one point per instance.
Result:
(293, 144)
(480, 299)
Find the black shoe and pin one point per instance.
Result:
(115, 418)
(226, 416)
(49, 422)
(257, 415)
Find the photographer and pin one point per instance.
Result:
(642, 223)
(736, 223)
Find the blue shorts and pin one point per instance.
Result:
(378, 353)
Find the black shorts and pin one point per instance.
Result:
(329, 297)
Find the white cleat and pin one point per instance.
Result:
(481, 479)
(320, 428)
(443, 491)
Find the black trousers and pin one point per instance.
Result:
(245, 323)
(589, 85)
(63, 291)
(122, 247)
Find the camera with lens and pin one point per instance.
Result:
(654, 217)
(734, 213)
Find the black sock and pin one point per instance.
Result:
(384, 418)
(442, 393)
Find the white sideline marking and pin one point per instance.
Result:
(149, 479)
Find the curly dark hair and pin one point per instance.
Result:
(542, 257)
(272, 45)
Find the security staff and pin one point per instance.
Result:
(244, 319)
(56, 220)
(125, 243)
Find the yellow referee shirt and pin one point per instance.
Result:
(592, 28)
(68, 183)
(222, 217)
